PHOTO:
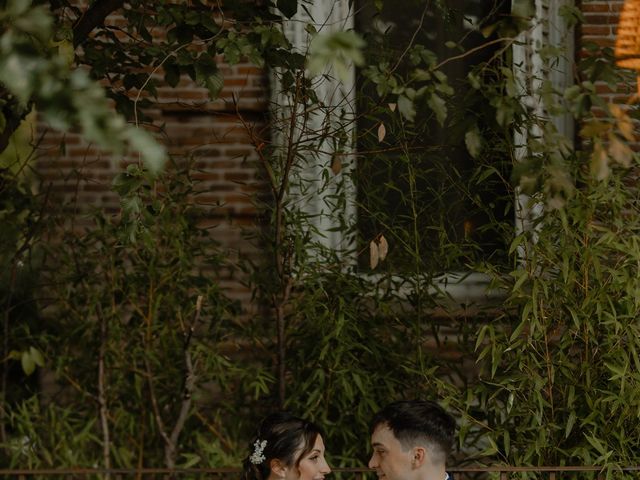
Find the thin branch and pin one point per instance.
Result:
(102, 391)
(93, 17)
(509, 41)
(154, 402)
(74, 384)
(189, 386)
(258, 145)
(413, 37)
(280, 259)
(171, 440)
(212, 428)
(148, 79)
(157, 67)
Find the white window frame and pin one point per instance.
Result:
(460, 288)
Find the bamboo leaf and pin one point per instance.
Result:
(522, 277)
(507, 442)
(570, 422)
(597, 444)
(481, 334)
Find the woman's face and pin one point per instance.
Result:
(312, 465)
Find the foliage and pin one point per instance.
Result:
(34, 72)
(155, 364)
(560, 375)
(132, 291)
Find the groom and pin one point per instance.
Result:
(411, 441)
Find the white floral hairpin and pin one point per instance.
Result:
(257, 457)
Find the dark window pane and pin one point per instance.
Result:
(419, 187)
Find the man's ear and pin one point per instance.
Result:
(278, 468)
(418, 456)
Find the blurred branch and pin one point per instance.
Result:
(93, 17)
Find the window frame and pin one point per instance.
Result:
(529, 68)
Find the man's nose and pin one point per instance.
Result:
(372, 462)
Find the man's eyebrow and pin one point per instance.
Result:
(377, 444)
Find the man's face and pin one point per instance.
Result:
(389, 459)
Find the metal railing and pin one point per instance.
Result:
(500, 472)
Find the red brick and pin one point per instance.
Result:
(235, 82)
(596, 7)
(601, 19)
(596, 30)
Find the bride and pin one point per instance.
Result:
(286, 448)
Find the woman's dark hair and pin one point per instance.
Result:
(288, 438)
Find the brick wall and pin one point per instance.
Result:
(601, 20)
(80, 175)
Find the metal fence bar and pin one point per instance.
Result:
(359, 473)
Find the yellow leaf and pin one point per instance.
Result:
(599, 162)
(336, 163)
(615, 110)
(383, 247)
(21, 144)
(382, 132)
(374, 255)
(392, 107)
(620, 151)
(65, 51)
(594, 129)
(626, 128)
(623, 121)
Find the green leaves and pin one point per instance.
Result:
(29, 359)
(406, 108)
(523, 8)
(153, 153)
(473, 141)
(207, 75)
(337, 52)
(67, 98)
(25, 18)
(439, 107)
(549, 355)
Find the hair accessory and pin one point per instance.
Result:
(257, 457)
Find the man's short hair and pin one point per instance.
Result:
(416, 422)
